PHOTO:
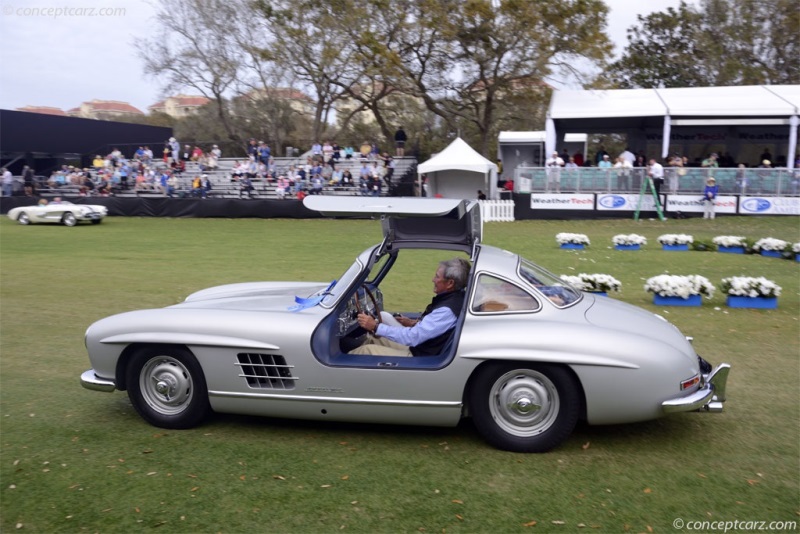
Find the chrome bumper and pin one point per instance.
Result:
(89, 380)
(708, 398)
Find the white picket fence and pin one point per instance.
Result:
(497, 210)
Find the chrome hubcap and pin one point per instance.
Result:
(524, 402)
(166, 385)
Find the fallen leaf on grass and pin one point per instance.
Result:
(346, 477)
(701, 475)
(457, 501)
(192, 476)
(586, 445)
(326, 486)
(195, 488)
(647, 490)
(278, 477)
(752, 481)
(459, 517)
(243, 477)
(529, 524)
(558, 522)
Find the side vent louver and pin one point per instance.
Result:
(266, 371)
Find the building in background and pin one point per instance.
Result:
(105, 110)
(179, 106)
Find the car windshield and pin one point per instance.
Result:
(346, 280)
(558, 291)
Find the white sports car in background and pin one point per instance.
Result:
(528, 358)
(65, 213)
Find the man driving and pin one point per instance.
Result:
(427, 335)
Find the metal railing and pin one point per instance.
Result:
(749, 181)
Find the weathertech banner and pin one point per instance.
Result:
(626, 202)
(566, 201)
(769, 206)
(694, 204)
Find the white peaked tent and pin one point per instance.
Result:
(458, 171)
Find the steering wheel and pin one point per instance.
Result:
(375, 307)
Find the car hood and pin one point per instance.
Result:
(615, 315)
(278, 296)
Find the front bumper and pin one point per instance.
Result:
(709, 398)
(89, 380)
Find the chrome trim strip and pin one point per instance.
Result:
(91, 381)
(336, 400)
(182, 338)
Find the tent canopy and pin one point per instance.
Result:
(459, 171)
(597, 111)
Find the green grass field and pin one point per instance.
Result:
(79, 461)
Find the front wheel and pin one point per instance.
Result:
(167, 387)
(97, 221)
(524, 408)
(68, 219)
(23, 219)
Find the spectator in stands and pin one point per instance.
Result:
(347, 179)
(374, 151)
(389, 165)
(116, 155)
(348, 152)
(172, 184)
(317, 184)
(337, 152)
(175, 149)
(623, 168)
(300, 182)
(166, 153)
(327, 173)
(87, 187)
(766, 154)
(553, 170)
(252, 169)
(365, 150)
(282, 186)
(375, 186)
(124, 173)
(599, 156)
(147, 158)
(336, 178)
(197, 153)
(374, 170)
(139, 154)
(98, 162)
(656, 173)
(605, 163)
(675, 164)
(237, 170)
(178, 167)
(8, 182)
(186, 155)
(316, 149)
(564, 155)
(102, 186)
(197, 187)
(162, 182)
(252, 149)
(571, 163)
(628, 156)
(264, 153)
(400, 139)
(327, 151)
(216, 152)
(246, 186)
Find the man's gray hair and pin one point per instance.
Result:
(456, 270)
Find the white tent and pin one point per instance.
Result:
(739, 107)
(458, 171)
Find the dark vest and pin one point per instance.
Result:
(453, 300)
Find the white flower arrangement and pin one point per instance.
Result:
(770, 243)
(675, 239)
(593, 282)
(629, 239)
(796, 248)
(577, 239)
(748, 286)
(730, 241)
(671, 285)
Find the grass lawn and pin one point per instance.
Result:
(72, 460)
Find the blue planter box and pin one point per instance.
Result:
(762, 303)
(693, 300)
(675, 247)
(797, 257)
(573, 245)
(627, 247)
(772, 253)
(731, 250)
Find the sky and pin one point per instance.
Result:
(60, 53)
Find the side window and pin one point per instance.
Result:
(496, 295)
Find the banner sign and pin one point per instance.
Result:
(769, 206)
(626, 202)
(567, 201)
(694, 204)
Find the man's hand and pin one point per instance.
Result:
(367, 322)
(405, 321)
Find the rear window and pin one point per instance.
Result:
(495, 295)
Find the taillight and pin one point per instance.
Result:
(686, 384)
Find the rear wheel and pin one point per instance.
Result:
(524, 408)
(68, 219)
(167, 387)
(23, 219)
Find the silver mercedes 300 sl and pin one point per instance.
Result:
(528, 358)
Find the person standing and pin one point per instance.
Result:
(656, 174)
(8, 183)
(400, 139)
(709, 195)
(553, 171)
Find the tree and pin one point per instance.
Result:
(464, 58)
(194, 49)
(724, 42)
(662, 52)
